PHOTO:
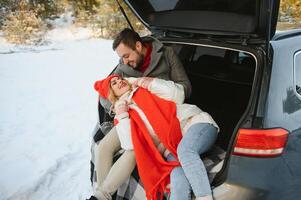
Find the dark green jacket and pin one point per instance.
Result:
(164, 64)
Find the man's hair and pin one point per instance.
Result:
(128, 37)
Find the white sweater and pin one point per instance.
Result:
(186, 113)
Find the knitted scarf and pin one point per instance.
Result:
(147, 58)
(154, 171)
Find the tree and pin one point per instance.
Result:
(23, 26)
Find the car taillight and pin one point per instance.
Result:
(260, 142)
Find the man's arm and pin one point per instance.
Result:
(168, 90)
(164, 89)
(177, 71)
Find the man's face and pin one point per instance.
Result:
(133, 58)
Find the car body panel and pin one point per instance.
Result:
(264, 178)
(283, 106)
(278, 177)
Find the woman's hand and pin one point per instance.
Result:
(121, 106)
(143, 82)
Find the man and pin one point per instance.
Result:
(148, 57)
(139, 57)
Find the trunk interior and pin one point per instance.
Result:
(221, 81)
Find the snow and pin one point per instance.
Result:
(48, 111)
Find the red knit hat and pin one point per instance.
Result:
(102, 86)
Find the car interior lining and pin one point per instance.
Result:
(207, 20)
(221, 84)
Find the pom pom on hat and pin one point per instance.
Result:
(103, 86)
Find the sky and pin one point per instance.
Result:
(48, 112)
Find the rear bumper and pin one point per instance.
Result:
(228, 191)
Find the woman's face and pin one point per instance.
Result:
(119, 86)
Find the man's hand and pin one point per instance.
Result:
(121, 106)
(143, 82)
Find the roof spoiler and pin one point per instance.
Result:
(124, 14)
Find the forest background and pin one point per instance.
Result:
(27, 21)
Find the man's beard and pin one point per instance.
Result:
(139, 62)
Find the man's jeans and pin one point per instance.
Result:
(192, 174)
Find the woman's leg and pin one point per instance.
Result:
(120, 172)
(109, 177)
(197, 140)
(180, 188)
(104, 153)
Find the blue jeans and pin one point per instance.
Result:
(192, 175)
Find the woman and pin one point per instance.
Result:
(167, 135)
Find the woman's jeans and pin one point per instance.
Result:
(192, 174)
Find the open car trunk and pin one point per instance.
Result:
(221, 81)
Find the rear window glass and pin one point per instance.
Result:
(297, 67)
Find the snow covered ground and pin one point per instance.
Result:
(48, 110)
